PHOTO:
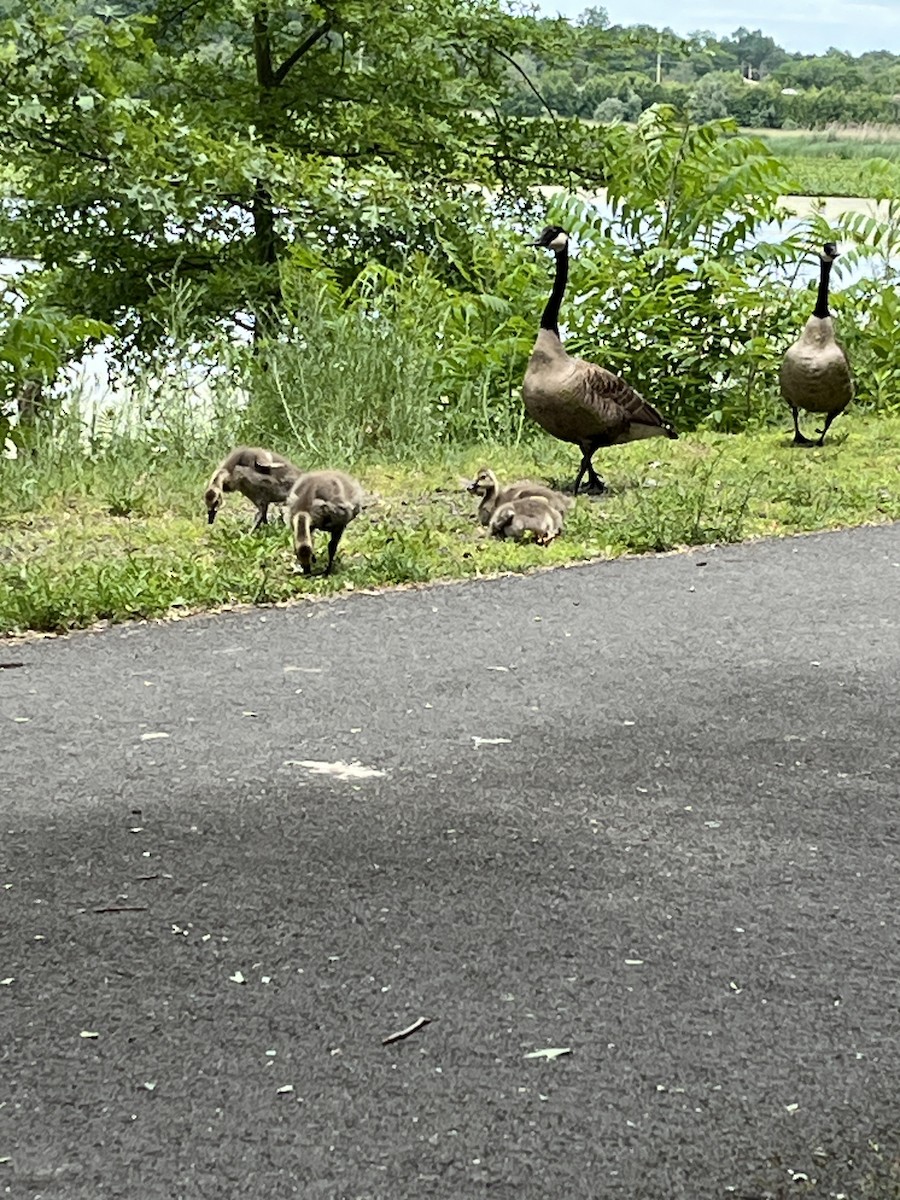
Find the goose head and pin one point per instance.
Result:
(829, 252)
(213, 499)
(552, 237)
(483, 483)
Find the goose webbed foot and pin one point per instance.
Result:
(799, 438)
(595, 485)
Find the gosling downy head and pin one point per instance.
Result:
(483, 483)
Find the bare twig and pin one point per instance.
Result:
(404, 1033)
(512, 62)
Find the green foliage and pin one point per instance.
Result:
(196, 143)
(671, 285)
(35, 343)
(674, 290)
(871, 338)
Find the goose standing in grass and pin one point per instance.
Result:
(815, 372)
(527, 514)
(327, 500)
(261, 476)
(578, 401)
(487, 486)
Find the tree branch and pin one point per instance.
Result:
(305, 46)
(66, 147)
(512, 62)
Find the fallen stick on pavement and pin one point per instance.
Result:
(404, 1033)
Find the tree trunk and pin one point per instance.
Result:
(264, 236)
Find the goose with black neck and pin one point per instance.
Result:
(815, 372)
(579, 401)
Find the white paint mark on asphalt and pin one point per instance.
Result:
(340, 770)
(152, 737)
(480, 741)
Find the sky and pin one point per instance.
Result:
(797, 25)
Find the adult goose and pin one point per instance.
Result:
(815, 372)
(578, 401)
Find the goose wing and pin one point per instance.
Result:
(615, 400)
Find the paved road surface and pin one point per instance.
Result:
(646, 811)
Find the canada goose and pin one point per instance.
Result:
(486, 485)
(257, 474)
(326, 500)
(815, 372)
(578, 401)
(528, 514)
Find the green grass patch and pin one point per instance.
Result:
(821, 175)
(126, 536)
(839, 161)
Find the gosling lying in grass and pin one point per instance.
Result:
(327, 500)
(486, 485)
(263, 477)
(528, 514)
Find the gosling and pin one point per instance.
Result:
(327, 500)
(263, 477)
(486, 485)
(528, 514)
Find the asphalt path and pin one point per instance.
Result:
(645, 812)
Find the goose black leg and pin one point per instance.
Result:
(581, 473)
(595, 483)
(799, 439)
(332, 548)
(828, 421)
(262, 517)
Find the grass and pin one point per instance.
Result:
(126, 536)
(837, 161)
(823, 176)
(840, 141)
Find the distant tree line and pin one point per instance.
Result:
(614, 72)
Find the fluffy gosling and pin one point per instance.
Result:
(327, 500)
(486, 485)
(263, 477)
(528, 514)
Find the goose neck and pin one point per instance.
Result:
(821, 309)
(550, 318)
